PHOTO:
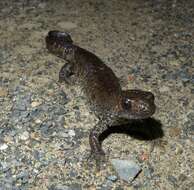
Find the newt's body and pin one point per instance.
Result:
(101, 87)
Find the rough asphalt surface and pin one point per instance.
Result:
(44, 128)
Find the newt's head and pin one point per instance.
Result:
(60, 44)
(137, 104)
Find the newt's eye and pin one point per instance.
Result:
(127, 104)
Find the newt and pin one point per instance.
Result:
(106, 99)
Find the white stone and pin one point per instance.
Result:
(38, 121)
(71, 133)
(3, 146)
(24, 136)
(35, 104)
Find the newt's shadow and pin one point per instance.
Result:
(146, 129)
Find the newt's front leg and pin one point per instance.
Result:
(67, 73)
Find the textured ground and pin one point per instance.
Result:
(44, 129)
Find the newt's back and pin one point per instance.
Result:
(98, 81)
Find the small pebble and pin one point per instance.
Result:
(190, 115)
(20, 106)
(71, 133)
(3, 92)
(173, 132)
(184, 76)
(112, 178)
(24, 136)
(164, 89)
(58, 187)
(42, 5)
(4, 166)
(38, 121)
(73, 173)
(107, 185)
(23, 176)
(47, 128)
(172, 180)
(174, 62)
(64, 187)
(182, 177)
(178, 150)
(35, 104)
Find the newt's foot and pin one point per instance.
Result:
(100, 159)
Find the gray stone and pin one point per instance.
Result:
(184, 76)
(46, 129)
(172, 180)
(65, 187)
(126, 169)
(35, 112)
(59, 110)
(22, 102)
(189, 125)
(73, 173)
(24, 114)
(191, 116)
(112, 178)
(107, 185)
(62, 134)
(58, 187)
(60, 120)
(36, 154)
(182, 177)
(170, 76)
(23, 176)
(20, 106)
(75, 186)
(4, 166)
(3, 56)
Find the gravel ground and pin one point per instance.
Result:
(44, 128)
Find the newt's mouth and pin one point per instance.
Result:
(146, 112)
(143, 114)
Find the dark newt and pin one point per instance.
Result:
(106, 99)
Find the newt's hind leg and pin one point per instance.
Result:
(67, 73)
(96, 150)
